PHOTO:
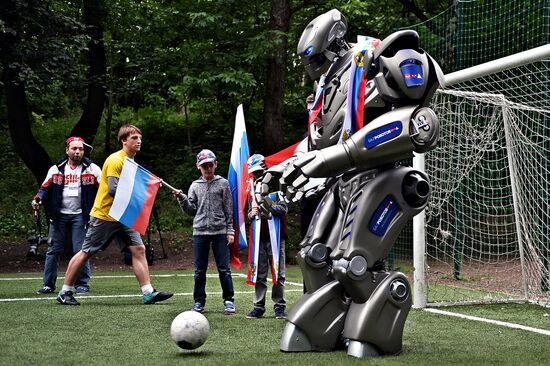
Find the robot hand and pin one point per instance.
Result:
(297, 174)
(321, 189)
(269, 182)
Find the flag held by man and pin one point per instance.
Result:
(136, 192)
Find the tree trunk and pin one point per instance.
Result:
(29, 150)
(275, 79)
(91, 116)
(108, 119)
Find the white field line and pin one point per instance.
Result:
(85, 296)
(241, 275)
(490, 321)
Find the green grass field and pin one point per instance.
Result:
(112, 327)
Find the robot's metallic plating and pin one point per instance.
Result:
(351, 300)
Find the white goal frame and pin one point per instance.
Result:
(420, 295)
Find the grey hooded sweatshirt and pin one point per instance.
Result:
(211, 204)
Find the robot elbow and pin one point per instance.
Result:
(424, 130)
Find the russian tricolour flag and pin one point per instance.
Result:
(135, 195)
(238, 179)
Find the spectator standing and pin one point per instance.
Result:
(278, 208)
(209, 201)
(68, 193)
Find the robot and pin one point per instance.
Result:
(351, 301)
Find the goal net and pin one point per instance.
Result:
(487, 225)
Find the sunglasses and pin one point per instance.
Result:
(207, 165)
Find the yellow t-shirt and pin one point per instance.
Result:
(103, 200)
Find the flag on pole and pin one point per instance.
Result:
(280, 156)
(238, 178)
(353, 121)
(135, 195)
(274, 228)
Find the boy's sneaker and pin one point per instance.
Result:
(82, 289)
(45, 290)
(156, 296)
(280, 313)
(198, 307)
(67, 298)
(229, 307)
(255, 314)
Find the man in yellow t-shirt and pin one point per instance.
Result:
(103, 228)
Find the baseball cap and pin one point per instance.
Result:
(255, 163)
(73, 138)
(76, 138)
(205, 156)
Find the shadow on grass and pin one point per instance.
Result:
(183, 354)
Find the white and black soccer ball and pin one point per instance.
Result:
(189, 329)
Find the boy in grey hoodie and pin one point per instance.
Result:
(209, 200)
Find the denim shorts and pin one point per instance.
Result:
(100, 233)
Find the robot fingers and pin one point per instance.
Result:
(301, 181)
(265, 206)
(267, 180)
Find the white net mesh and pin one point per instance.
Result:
(489, 177)
(487, 223)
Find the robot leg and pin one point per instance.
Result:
(316, 322)
(375, 327)
(317, 245)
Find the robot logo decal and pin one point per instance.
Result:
(383, 216)
(383, 134)
(412, 72)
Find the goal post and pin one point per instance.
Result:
(485, 235)
(485, 232)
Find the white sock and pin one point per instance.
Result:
(147, 289)
(66, 288)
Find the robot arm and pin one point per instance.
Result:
(389, 138)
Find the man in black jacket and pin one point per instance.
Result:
(68, 193)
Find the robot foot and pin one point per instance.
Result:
(361, 349)
(294, 340)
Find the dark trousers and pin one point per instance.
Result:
(201, 250)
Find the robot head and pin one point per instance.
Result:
(403, 68)
(256, 163)
(321, 41)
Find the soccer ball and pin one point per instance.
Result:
(189, 329)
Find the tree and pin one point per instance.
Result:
(97, 76)
(40, 48)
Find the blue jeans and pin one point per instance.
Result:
(58, 235)
(201, 249)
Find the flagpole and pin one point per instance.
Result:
(163, 183)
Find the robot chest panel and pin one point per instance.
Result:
(351, 186)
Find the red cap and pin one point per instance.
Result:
(74, 138)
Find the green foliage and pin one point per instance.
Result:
(44, 45)
(176, 69)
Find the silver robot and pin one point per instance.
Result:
(351, 301)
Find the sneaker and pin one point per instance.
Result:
(45, 290)
(198, 307)
(156, 296)
(229, 307)
(280, 313)
(255, 314)
(82, 289)
(67, 298)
